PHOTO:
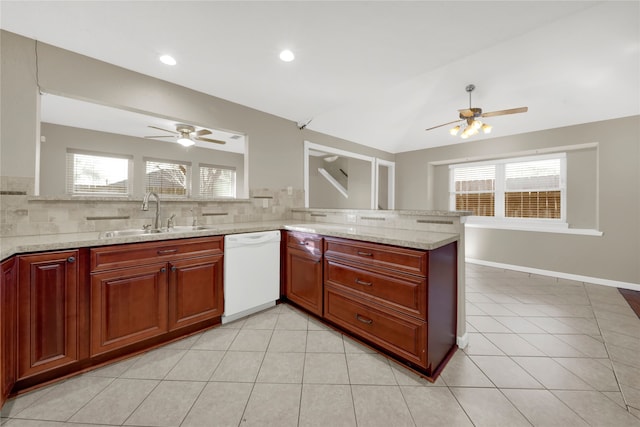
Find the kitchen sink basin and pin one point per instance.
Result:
(125, 233)
(184, 228)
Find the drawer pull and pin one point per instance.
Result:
(71, 260)
(163, 270)
(167, 251)
(363, 319)
(174, 268)
(360, 282)
(365, 253)
(303, 242)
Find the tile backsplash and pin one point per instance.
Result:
(22, 214)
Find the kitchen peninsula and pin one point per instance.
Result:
(399, 270)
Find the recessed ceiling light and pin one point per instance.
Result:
(168, 59)
(287, 56)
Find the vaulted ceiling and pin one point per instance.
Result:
(376, 73)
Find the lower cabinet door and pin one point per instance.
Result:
(8, 317)
(195, 290)
(47, 312)
(401, 335)
(304, 280)
(127, 306)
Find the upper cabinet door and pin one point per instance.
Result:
(47, 312)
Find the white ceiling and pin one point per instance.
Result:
(376, 73)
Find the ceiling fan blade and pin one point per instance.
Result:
(504, 112)
(202, 132)
(165, 130)
(216, 141)
(160, 136)
(444, 124)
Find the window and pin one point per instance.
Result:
(525, 189)
(217, 181)
(91, 173)
(167, 177)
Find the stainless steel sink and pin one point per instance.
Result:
(185, 228)
(125, 233)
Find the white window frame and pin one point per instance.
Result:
(499, 219)
(175, 162)
(70, 178)
(229, 168)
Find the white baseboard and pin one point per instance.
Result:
(463, 341)
(558, 274)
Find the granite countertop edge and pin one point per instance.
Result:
(416, 239)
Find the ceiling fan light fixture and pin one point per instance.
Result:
(185, 141)
(454, 130)
(486, 128)
(476, 124)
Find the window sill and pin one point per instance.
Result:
(542, 228)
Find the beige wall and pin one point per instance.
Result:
(613, 169)
(275, 154)
(322, 194)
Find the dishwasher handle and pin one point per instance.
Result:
(233, 240)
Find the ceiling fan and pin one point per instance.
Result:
(186, 134)
(470, 117)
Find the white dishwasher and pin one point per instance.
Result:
(251, 273)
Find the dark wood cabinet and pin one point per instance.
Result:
(8, 330)
(195, 290)
(47, 315)
(402, 301)
(143, 292)
(127, 305)
(303, 275)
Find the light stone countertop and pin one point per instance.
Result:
(426, 240)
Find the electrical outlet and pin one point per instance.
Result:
(265, 203)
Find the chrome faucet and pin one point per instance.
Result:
(145, 206)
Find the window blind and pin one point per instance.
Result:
(167, 177)
(532, 189)
(97, 173)
(217, 181)
(475, 189)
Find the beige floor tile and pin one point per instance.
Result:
(380, 406)
(238, 366)
(263, 320)
(487, 324)
(504, 372)
(325, 368)
(41, 423)
(281, 368)
(196, 365)
(116, 402)
(473, 310)
(627, 374)
(462, 372)
(586, 344)
(352, 346)
(553, 325)
(216, 339)
(542, 408)
(236, 324)
(513, 345)
(622, 340)
(113, 370)
(324, 342)
(154, 365)
(293, 321)
(283, 341)
(621, 327)
(631, 394)
(15, 405)
(551, 374)
(519, 325)
(326, 405)
(479, 345)
(488, 407)
(167, 405)
(522, 309)
(65, 399)
(251, 340)
(494, 309)
(316, 325)
(224, 402)
(617, 397)
(478, 297)
(552, 346)
(435, 406)
(369, 369)
(183, 344)
(591, 371)
(597, 409)
(500, 298)
(623, 355)
(582, 325)
(275, 405)
(404, 376)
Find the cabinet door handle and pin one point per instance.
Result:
(173, 268)
(71, 259)
(360, 282)
(363, 319)
(167, 251)
(365, 253)
(163, 270)
(303, 242)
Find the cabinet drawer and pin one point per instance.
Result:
(401, 292)
(132, 254)
(310, 243)
(392, 257)
(401, 335)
